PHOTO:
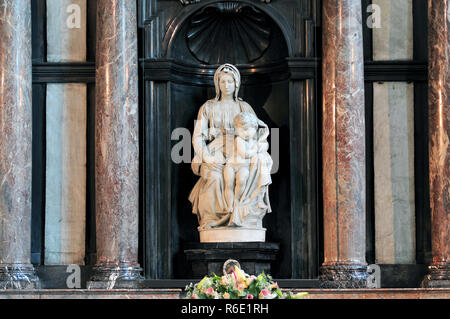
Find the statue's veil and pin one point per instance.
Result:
(231, 69)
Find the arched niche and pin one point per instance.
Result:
(181, 80)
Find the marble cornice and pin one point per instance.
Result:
(176, 71)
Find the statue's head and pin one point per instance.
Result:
(225, 75)
(246, 125)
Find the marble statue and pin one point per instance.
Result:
(232, 195)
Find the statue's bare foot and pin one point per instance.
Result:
(221, 221)
(207, 225)
(211, 223)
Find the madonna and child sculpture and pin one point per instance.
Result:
(231, 197)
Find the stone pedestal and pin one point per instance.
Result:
(233, 234)
(343, 142)
(439, 145)
(16, 271)
(208, 258)
(116, 146)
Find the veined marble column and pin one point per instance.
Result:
(439, 144)
(16, 271)
(344, 184)
(116, 146)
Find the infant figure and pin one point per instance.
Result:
(237, 167)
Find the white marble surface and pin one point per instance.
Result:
(393, 116)
(66, 39)
(394, 39)
(233, 234)
(65, 196)
(231, 158)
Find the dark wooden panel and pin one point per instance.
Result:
(399, 71)
(304, 187)
(367, 32)
(91, 21)
(39, 30)
(420, 30)
(421, 174)
(79, 72)
(186, 101)
(178, 72)
(147, 10)
(157, 178)
(370, 186)
(402, 276)
(303, 68)
(38, 174)
(90, 178)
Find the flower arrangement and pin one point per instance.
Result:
(238, 285)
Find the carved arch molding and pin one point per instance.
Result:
(228, 31)
(196, 1)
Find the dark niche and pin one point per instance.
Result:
(229, 31)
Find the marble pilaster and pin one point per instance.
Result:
(393, 136)
(65, 191)
(65, 195)
(393, 40)
(343, 143)
(116, 146)
(439, 141)
(66, 30)
(16, 271)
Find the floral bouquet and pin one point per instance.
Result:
(238, 285)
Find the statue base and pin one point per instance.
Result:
(208, 258)
(233, 235)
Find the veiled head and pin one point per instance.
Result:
(230, 70)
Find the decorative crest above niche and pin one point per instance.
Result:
(189, 1)
(196, 1)
(230, 31)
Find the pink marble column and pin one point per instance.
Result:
(16, 272)
(116, 146)
(439, 144)
(343, 145)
